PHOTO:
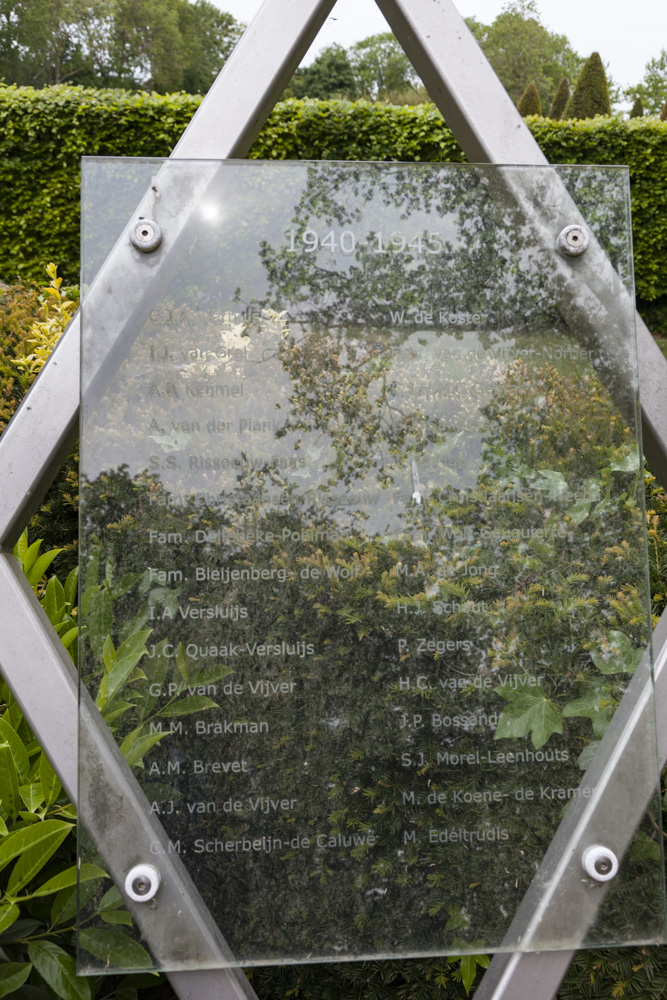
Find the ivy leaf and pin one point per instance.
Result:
(528, 712)
(643, 848)
(616, 655)
(552, 483)
(595, 704)
(58, 970)
(628, 464)
(587, 754)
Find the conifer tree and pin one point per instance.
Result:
(663, 113)
(591, 94)
(529, 102)
(560, 99)
(637, 109)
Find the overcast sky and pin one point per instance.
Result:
(626, 33)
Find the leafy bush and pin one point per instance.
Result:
(529, 102)
(31, 321)
(591, 93)
(561, 97)
(44, 133)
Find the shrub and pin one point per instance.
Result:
(560, 99)
(637, 109)
(591, 94)
(529, 102)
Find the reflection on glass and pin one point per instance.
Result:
(363, 552)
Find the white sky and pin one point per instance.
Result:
(626, 33)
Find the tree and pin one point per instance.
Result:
(637, 109)
(653, 87)
(561, 97)
(38, 41)
(591, 94)
(520, 48)
(329, 75)
(529, 102)
(158, 45)
(209, 35)
(663, 113)
(381, 68)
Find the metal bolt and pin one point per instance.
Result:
(142, 882)
(573, 241)
(145, 235)
(600, 863)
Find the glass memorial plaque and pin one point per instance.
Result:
(363, 549)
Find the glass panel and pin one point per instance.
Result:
(363, 549)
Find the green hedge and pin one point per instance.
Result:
(43, 134)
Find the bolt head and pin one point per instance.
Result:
(573, 241)
(145, 235)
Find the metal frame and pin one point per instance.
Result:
(38, 438)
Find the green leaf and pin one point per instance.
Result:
(108, 653)
(595, 704)
(40, 566)
(128, 655)
(34, 858)
(32, 796)
(141, 746)
(528, 712)
(99, 620)
(8, 914)
(115, 949)
(468, 971)
(70, 589)
(187, 706)
(69, 636)
(58, 970)
(14, 974)
(111, 900)
(69, 877)
(31, 836)
(126, 582)
(18, 751)
(30, 554)
(117, 917)
(587, 754)
(552, 483)
(182, 662)
(628, 464)
(9, 783)
(53, 601)
(579, 511)
(21, 547)
(644, 848)
(616, 655)
(48, 778)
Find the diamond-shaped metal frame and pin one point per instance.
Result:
(489, 129)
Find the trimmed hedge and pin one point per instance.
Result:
(43, 134)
